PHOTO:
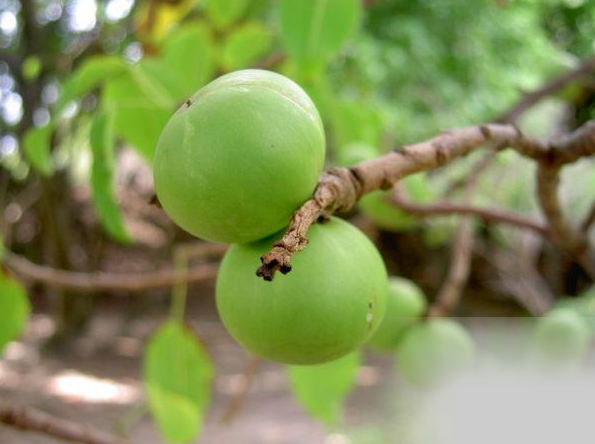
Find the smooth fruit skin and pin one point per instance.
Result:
(239, 157)
(328, 305)
(433, 351)
(561, 336)
(405, 304)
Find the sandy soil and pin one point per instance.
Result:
(97, 381)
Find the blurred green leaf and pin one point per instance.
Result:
(321, 389)
(179, 419)
(102, 189)
(14, 309)
(245, 45)
(356, 121)
(94, 71)
(139, 117)
(225, 12)
(31, 67)
(313, 29)
(158, 82)
(36, 145)
(190, 54)
(178, 371)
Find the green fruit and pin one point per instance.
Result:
(561, 336)
(433, 351)
(405, 304)
(333, 299)
(377, 205)
(239, 157)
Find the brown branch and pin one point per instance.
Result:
(460, 260)
(37, 421)
(517, 275)
(104, 281)
(589, 219)
(565, 235)
(339, 188)
(235, 405)
(558, 83)
(450, 292)
(446, 208)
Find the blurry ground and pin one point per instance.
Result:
(96, 381)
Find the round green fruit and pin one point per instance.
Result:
(405, 304)
(239, 157)
(333, 299)
(433, 351)
(562, 336)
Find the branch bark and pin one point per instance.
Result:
(103, 281)
(487, 214)
(569, 238)
(37, 421)
(589, 219)
(450, 293)
(340, 188)
(556, 84)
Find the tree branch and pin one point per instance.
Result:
(568, 237)
(340, 188)
(558, 83)
(589, 219)
(446, 208)
(103, 281)
(37, 421)
(450, 293)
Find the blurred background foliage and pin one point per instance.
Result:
(87, 86)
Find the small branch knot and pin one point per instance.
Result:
(338, 190)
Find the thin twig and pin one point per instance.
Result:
(445, 208)
(589, 219)
(460, 260)
(558, 83)
(450, 292)
(37, 421)
(568, 237)
(235, 405)
(340, 188)
(104, 281)
(517, 275)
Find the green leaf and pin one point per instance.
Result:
(14, 309)
(158, 81)
(36, 145)
(88, 76)
(31, 67)
(225, 12)
(179, 419)
(104, 198)
(311, 30)
(178, 371)
(139, 117)
(245, 45)
(356, 121)
(189, 53)
(321, 389)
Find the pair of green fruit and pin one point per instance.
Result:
(428, 352)
(232, 165)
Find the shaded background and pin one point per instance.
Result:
(383, 73)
